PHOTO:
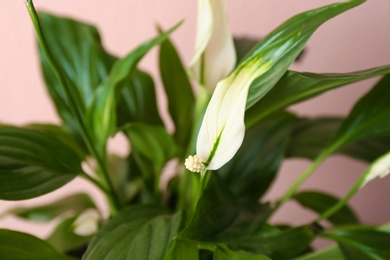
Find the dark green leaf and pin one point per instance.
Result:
(137, 232)
(294, 87)
(330, 253)
(219, 218)
(33, 163)
(75, 204)
(223, 253)
(254, 167)
(21, 246)
(182, 249)
(281, 47)
(320, 202)
(101, 113)
(311, 136)
(361, 243)
(181, 100)
(370, 116)
(79, 52)
(138, 100)
(64, 239)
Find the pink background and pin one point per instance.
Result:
(356, 40)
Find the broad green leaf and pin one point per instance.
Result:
(281, 47)
(75, 204)
(222, 253)
(295, 87)
(137, 232)
(285, 244)
(22, 246)
(79, 52)
(361, 243)
(243, 45)
(311, 136)
(254, 167)
(64, 239)
(320, 202)
(330, 253)
(182, 249)
(138, 100)
(181, 100)
(101, 115)
(219, 218)
(370, 116)
(33, 163)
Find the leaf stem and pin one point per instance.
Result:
(72, 105)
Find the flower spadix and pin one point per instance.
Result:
(223, 129)
(379, 169)
(214, 56)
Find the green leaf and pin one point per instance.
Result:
(80, 54)
(101, 113)
(182, 249)
(33, 163)
(370, 117)
(138, 100)
(281, 47)
(75, 204)
(64, 239)
(295, 87)
(330, 253)
(138, 232)
(219, 218)
(21, 246)
(181, 100)
(320, 202)
(222, 253)
(243, 45)
(361, 243)
(254, 167)
(311, 136)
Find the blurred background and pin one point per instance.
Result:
(355, 40)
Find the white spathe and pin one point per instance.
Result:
(86, 224)
(222, 131)
(215, 55)
(379, 169)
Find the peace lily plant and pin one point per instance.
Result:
(232, 136)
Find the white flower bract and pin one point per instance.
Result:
(86, 224)
(379, 169)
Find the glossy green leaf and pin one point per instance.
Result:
(222, 253)
(75, 204)
(182, 249)
(138, 100)
(64, 239)
(101, 115)
(219, 218)
(295, 87)
(370, 116)
(181, 100)
(79, 52)
(320, 202)
(137, 232)
(252, 170)
(330, 253)
(361, 243)
(21, 246)
(243, 45)
(285, 244)
(33, 163)
(281, 47)
(311, 136)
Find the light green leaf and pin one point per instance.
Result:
(181, 100)
(320, 202)
(33, 163)
(281, 47)
(222, 253)
(137, 232)
(182, 249)
(22, 246)
(254, 167)
(101, 113)
(330, 253)
(75, 204)
(361, 243)
(295, 87)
